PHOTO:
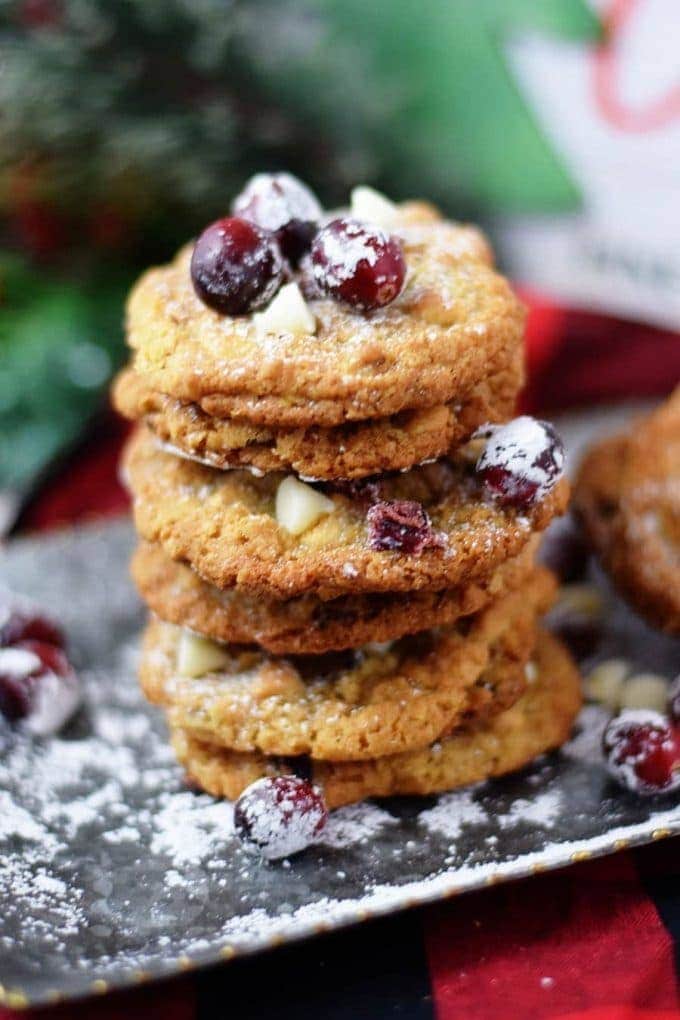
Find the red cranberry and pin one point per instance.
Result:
(522, 461)
(358, 264)
(643, 751)
(279, 816)
(674, 700)
(236, 266)
(21, 625)
(401, 525)
(283, 205)
(37, 686)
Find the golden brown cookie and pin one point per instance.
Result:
(351, 450)
(347, 705)
(223, 524)
(628, 498)
(455, 324)
(308, 625)
(540, 721)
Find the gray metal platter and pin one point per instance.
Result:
(112, 870)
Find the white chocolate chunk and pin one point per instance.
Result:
(287, 313)
(372, 207)
(298, 506)
(645, 690)
(605, 682)
(198, 655)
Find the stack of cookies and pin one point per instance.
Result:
(338, 512)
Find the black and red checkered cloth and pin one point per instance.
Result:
(597, 941)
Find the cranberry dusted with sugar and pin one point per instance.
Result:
(401, 525)
(38, 686)
(279, 816)
(283, 205)
(642, 749)
(521, 462)
(21, 625)
(236, 266)
(357, 263)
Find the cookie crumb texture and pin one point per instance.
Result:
(627, 496)
(360, 703)
(455, 323)
(224, 525)
(540, 721)
(344, 451)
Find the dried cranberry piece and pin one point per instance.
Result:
(521, 462)
(236, 266)
(285, 206)
(358, 264)
(401, 525)
(643, 751)
(279, 816)
(21, 625)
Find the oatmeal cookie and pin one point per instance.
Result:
(351, 450)
(539, 721)
(455, 324)
(381, 700)
(628, 498)
(307, 625)
(224, 525)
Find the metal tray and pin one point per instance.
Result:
(113, 871)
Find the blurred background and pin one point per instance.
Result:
(127, 125)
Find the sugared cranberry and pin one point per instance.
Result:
(521, 462)
(283, 205)
(21, 625)
(401, 525)
(643, 751)
(236, 266)
(279, 816)
(674, 700)
(37, 686)
(358, 264)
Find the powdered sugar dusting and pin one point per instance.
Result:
(452, 813)
(526, 449)
(109, 863)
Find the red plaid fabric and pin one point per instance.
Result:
(599, 941)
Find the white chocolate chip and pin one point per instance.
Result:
(645, 690)
(198, 655)
(605, 682)
(298, 506)
(583, 599)
(287, 313)
(372, 207)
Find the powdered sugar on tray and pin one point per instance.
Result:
(453, 811)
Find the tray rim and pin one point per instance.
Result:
(442, 886)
